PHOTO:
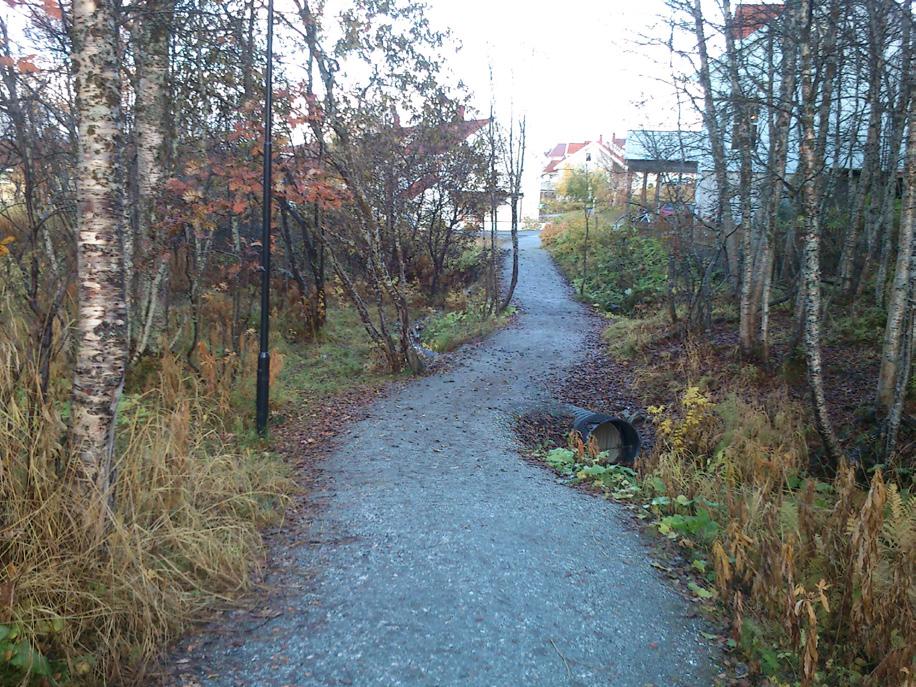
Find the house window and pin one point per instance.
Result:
(752, 134)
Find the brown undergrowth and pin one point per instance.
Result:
(816, 573)
(813, 565)
(183, 535)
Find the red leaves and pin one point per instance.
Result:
(296, 120)
(24, 65)
(52, 9)
(176, 186)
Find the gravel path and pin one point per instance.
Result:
(439, 557)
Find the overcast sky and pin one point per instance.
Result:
(574, 67)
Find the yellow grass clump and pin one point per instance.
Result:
(182, 531)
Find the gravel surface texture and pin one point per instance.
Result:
(435, 555)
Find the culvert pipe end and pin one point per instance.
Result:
(613, 435)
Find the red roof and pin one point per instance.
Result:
(449, 134)
(750, 17)
(561, 150)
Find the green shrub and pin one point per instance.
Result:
(448, 330)
(626, 270)
(862, 327)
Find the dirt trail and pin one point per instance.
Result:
(437, 556)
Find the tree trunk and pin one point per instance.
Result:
(904, 276)
(744, 143)
(811, 269)
(101, 352)
(513, 279)
(885, 220)
(716, 140)
(869, 164)
(778, 153)
(150, 112)
(515, 165)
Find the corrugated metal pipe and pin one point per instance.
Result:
(614, 435)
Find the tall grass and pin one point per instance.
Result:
(182, 532)
(818, 575)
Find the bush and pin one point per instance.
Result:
(860, 327)
(627, 337)
(626, 270)
(816, 574)
(447, 330)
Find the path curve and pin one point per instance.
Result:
(440, 557)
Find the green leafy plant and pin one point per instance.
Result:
(619, 480)
(699, 527)
(448, 330)
(626, 270)
(563, 460)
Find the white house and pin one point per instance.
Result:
(602, 154)
(761, 55)
(654, 152)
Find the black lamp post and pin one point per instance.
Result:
(263, 392)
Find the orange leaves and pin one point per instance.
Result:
(242, 179)
(296, 120)
(175, 185)
(24, 65)
(52, 9)
(4, 242)
(805, 610)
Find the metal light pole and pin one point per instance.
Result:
(588, 158)
(263, 392)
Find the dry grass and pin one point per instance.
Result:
(818, 576)
(183, 531)
(628, 337)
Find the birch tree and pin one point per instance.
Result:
(781, 106)
(741, 112)
(101, 352)
(152, 63)
(810, 220)
(714, 128)
(895, 356)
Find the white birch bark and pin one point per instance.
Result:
(744, 143)
(713, 129)
(811, 268)
(778, 153)
(150, 109)
(101, 352)
(904, 275)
